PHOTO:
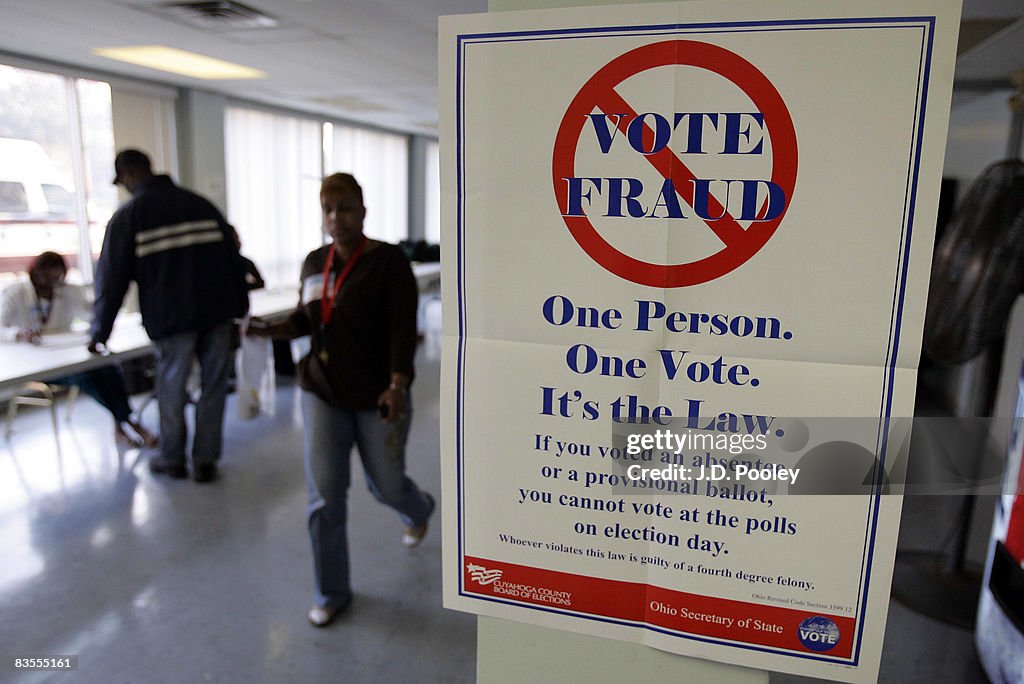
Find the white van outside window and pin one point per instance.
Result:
(56, 162)
(31, 188)
(37, 206)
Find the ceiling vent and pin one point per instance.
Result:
(218, 16)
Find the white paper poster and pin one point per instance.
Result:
(686, 250)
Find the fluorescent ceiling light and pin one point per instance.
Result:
(179, 62)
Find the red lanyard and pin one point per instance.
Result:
(327, 299)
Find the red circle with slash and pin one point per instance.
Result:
(599, 93)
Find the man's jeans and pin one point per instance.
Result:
(330, 434)
(175, 358)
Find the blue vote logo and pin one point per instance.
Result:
(818, 633)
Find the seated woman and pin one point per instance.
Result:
(46, 304)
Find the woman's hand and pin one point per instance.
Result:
(28, 335)
(281, 330)
(394, 401)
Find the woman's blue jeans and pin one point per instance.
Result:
(330, 433)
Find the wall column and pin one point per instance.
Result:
(201, 145)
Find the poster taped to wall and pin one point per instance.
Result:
(686, 249)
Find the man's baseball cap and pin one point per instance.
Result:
(129, 159)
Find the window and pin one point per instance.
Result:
(96, 133)
(59, 202)
(56, 159)
(13, 199)
(380, 162)
(432, 208)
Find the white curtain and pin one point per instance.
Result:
(144, 119)
(273, 169)
(380, 163)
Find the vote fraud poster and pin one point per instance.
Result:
(686, 250)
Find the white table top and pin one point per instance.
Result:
(66, 353)
(427, 273)
(279, 301)
(271, 303)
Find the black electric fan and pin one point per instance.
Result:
(977, 273)
(978, 267)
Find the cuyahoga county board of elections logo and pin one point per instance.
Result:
(818, 633)
(721, 168)
(518, 590)
(482, 574)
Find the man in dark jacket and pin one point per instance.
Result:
(180, 251)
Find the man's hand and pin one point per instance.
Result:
(98, 348)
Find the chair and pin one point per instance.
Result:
(140, 378)
(35, 393)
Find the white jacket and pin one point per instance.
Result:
(19, 309)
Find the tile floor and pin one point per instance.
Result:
(154, 581)
(151, 580)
